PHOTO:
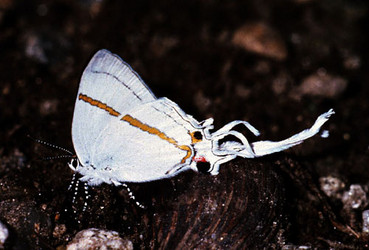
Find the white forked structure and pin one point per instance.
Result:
(229, 150)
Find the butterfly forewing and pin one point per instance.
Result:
(108, 89)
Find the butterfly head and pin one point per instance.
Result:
(74, 164)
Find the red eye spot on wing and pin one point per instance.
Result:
(199, 159)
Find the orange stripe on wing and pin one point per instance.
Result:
(154, 131)
(98, 104)
(185, 148)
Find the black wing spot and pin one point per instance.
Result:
(197, 135)
(203, 167)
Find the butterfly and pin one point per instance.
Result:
(122, 133)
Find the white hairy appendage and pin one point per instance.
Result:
(260, 148)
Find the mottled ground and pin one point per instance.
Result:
(276, 64)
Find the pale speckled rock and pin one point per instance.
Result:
(94, 238)
(4, 233)
(355, 197)
(332, 186)
(320, 84)
(365, 216)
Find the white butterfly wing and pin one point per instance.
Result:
(152, 142)
(109, 81)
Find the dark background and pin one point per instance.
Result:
(275, 64)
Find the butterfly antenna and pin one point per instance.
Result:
(50, 145)
(56, 157)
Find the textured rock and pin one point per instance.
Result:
(94, 238)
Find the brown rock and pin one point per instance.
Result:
(261, 39)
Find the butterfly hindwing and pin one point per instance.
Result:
(145, 144)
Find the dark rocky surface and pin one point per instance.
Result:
(276, 64)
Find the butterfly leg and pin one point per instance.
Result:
(131, 196)
(87, 196)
